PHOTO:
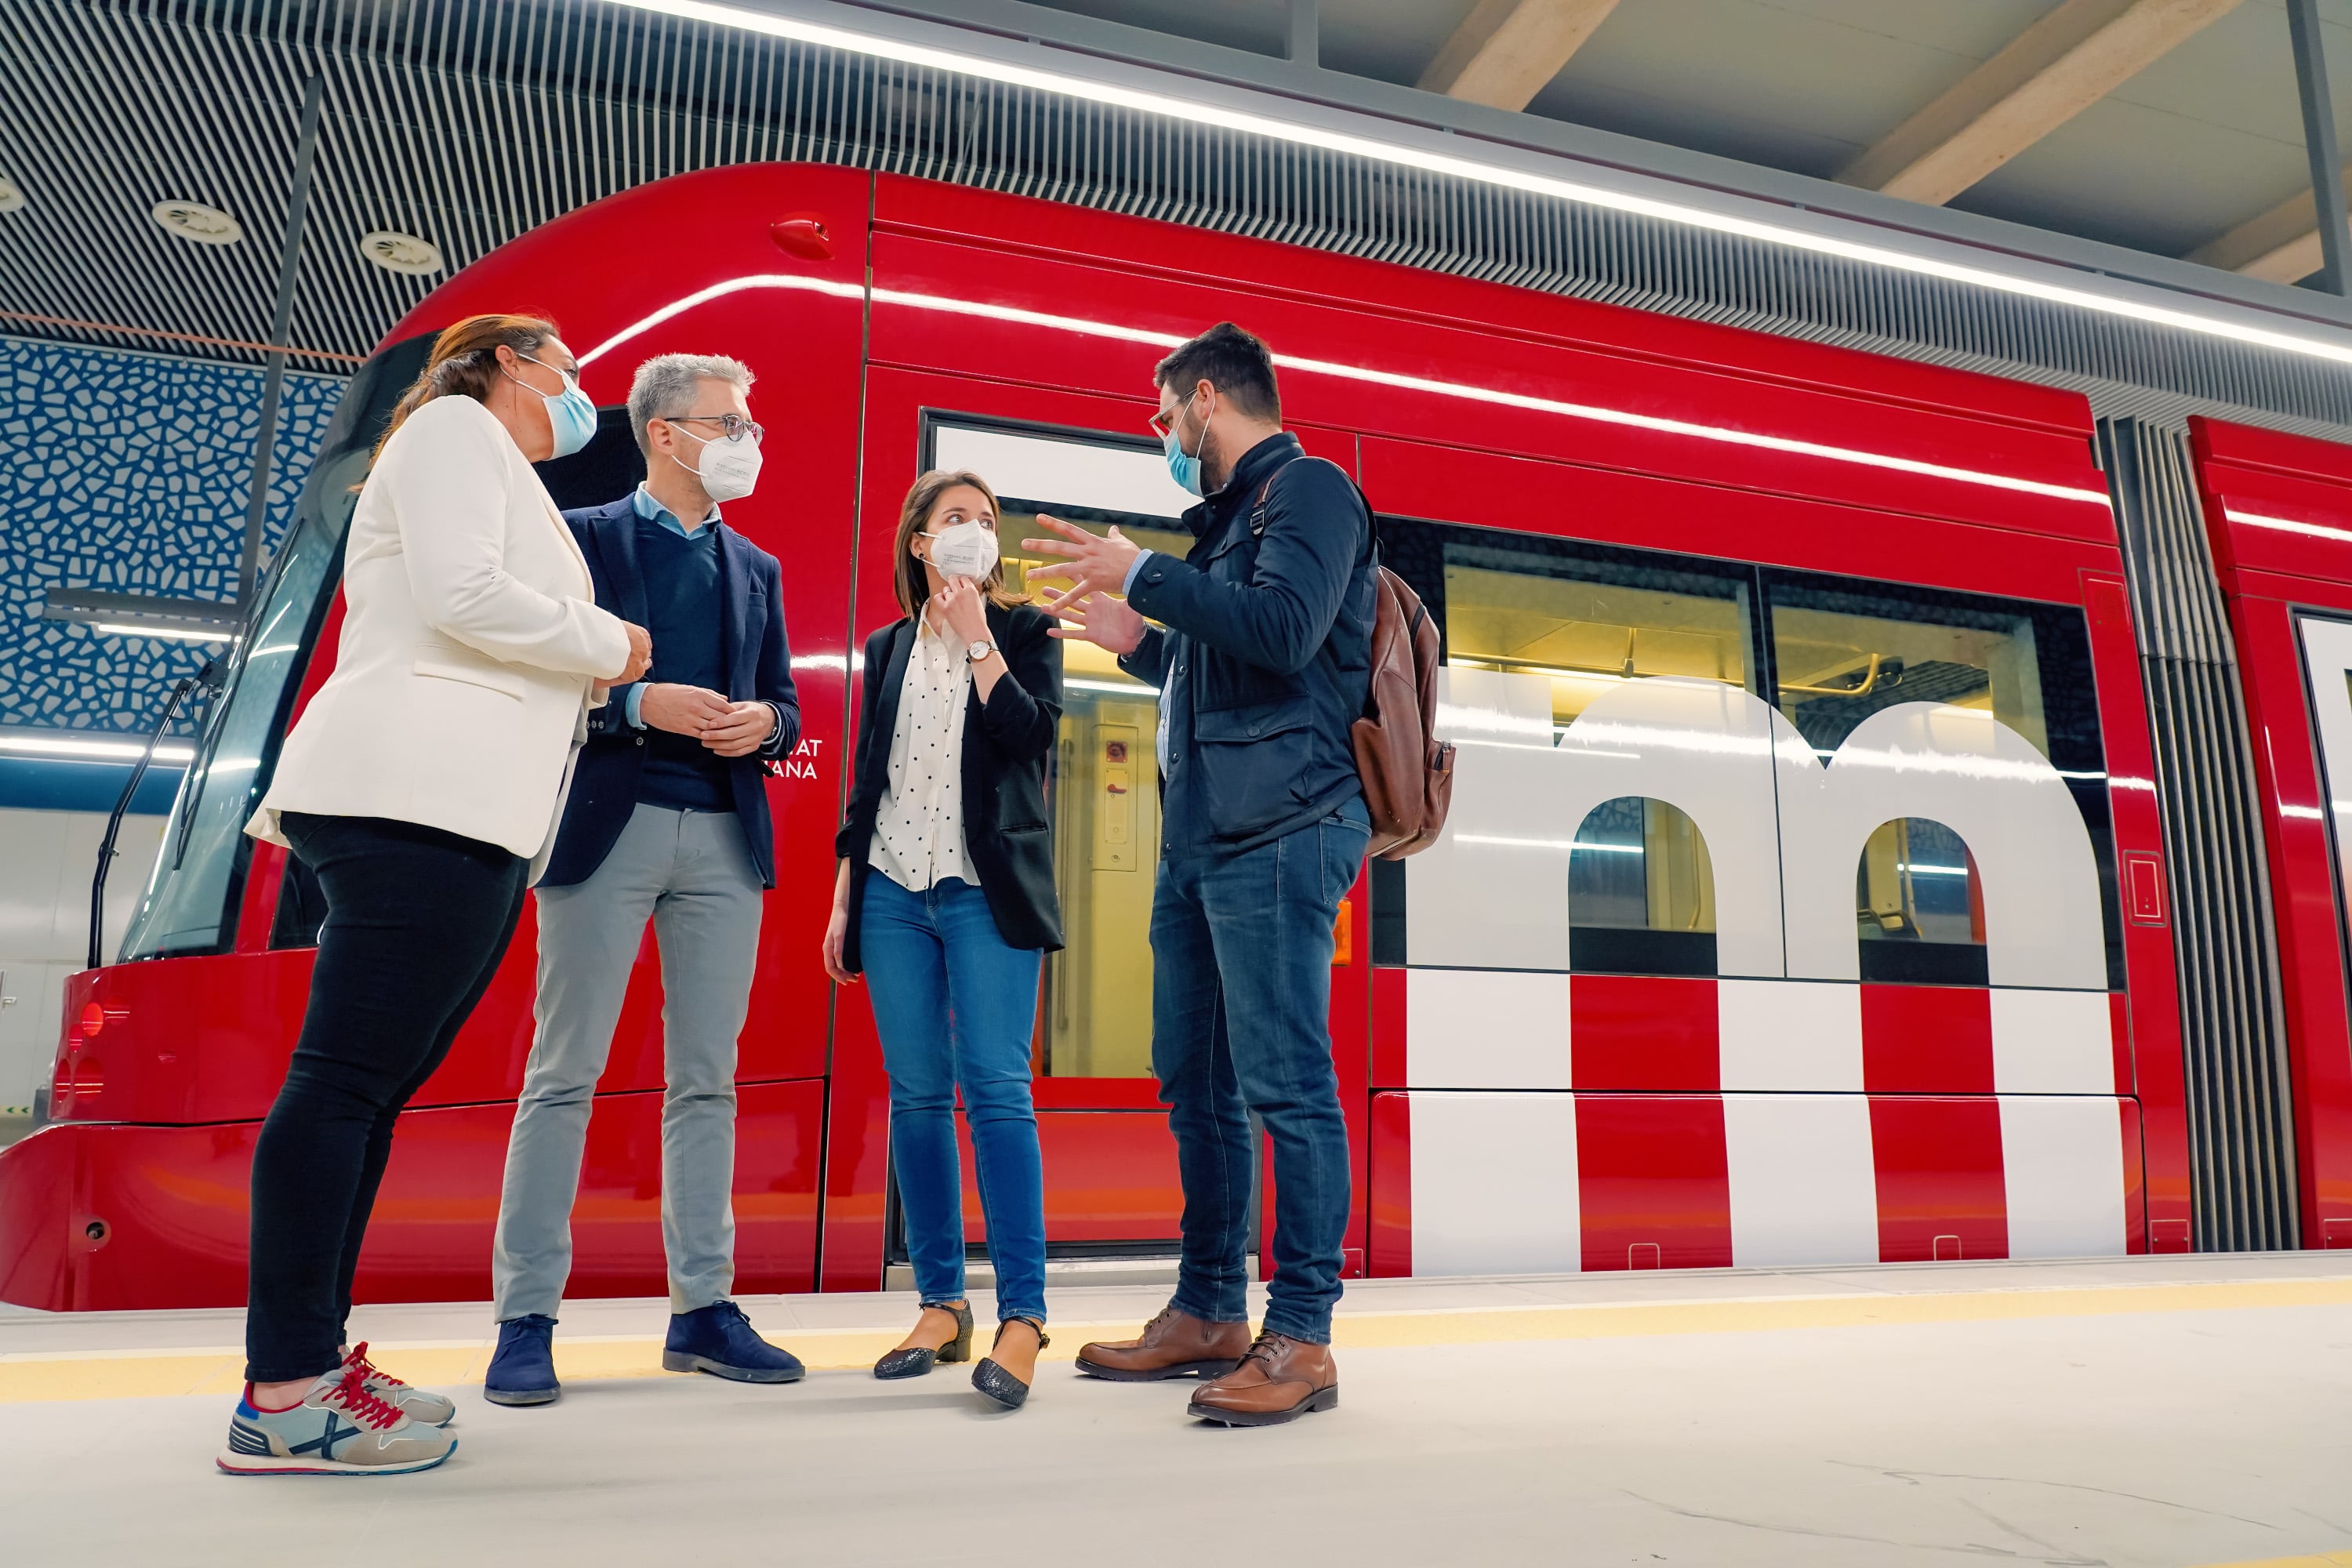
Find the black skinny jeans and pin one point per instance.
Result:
(417, 920)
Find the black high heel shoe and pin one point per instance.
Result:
(914, 1361)
(996, 1381)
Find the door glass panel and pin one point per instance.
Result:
(1918, 907)
(1095, 1016)
(1641, 892)
(1841, 657)
(1588, 622)
(2327, 655)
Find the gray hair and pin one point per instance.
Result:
(666, 386)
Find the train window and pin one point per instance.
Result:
(1095, 1016)
(190, 901)
(1841, 655)
(1586, 621)
(1842, 651)
(1918, 906)
(1641, 892)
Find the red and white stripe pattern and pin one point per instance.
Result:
(1586, 1121)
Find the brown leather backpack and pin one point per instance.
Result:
(1407, 771)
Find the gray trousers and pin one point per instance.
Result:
(691, 873)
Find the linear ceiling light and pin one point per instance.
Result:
(104, 751)
(166, 634)
(1341, 142)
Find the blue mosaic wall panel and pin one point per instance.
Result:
(127, 472)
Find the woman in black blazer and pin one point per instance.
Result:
(945, 897)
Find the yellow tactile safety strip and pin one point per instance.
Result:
(147, 1374)
(2324, 1560)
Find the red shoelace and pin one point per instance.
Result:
(357, 1398)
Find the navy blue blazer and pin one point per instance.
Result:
(759, 669)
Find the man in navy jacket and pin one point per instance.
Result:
(1263, 661)
(667, 820)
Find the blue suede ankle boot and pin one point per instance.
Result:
(523, 1371)
(720, 1340)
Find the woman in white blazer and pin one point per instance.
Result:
(423, 785)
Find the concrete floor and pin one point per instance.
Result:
(2156, 1412)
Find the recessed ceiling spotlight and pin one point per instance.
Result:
(12, 195)
(194, 220)
(397, 252)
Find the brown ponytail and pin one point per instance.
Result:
(466, 360)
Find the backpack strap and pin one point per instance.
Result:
(1265, 491)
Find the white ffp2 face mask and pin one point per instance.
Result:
(967, 550)
(729, 469)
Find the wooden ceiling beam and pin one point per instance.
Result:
(2048, 74)
(2281, 246)
(1507, 51)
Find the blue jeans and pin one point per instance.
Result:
(955, 1007)
(1241, 1022)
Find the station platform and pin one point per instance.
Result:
(2147, 1413)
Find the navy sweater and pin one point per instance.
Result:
(683, 612)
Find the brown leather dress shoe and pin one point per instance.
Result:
(1281, 1379)
(1173, 1345)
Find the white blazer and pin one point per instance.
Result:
(470, 642)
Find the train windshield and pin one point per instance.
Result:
(190, 902)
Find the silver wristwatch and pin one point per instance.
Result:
(980, 651)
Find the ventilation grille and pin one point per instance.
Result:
(2241, 1129)
(469, 121)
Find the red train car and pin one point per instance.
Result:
(1804, 900)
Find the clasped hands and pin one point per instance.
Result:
(1097, 567)
(730, 728)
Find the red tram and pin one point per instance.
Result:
(1805, 898)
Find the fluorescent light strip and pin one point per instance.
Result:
(123, 629)
(1123, 689)
(107, 750)
(2288, 525)
(1484, 174)
(1618, 417)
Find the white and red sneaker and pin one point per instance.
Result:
(339, 1428)
(425, 1409)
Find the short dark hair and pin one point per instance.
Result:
(1235, 362)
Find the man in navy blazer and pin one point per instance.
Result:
(667, 821)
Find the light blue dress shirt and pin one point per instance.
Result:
(653, 510)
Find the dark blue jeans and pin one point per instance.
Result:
(955, 1007)
(1241, 1022)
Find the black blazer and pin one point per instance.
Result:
(759, 667)
(1007, 829)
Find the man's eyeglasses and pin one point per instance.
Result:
(734, 426)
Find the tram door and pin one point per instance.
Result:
(1111, 1192)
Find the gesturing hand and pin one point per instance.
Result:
(1105, 622)
(681, 710)
(744, 729)
(1094, 563)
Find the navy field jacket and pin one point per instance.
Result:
(759, 663)
(1266, 655)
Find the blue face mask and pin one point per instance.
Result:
(571, 418)
(1182, 467)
